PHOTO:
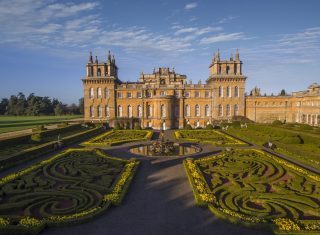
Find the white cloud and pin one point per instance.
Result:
(226, 19)
(196, 30)
(223, 37)
(190, 6)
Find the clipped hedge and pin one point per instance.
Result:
(34, 152)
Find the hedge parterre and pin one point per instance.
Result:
(118, 136)
(70, 187)
(254, 188)
(216, 138)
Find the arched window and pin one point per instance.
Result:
(139, 111)
(99, 92)
(149, 111)
(236, 110)
(107, 111)
(99, 108)
(91, 111)
(220, 110)
(91, 93)
(197, 110)
(163, 110)
(207, 111)
(106, 93)
(187, 111)
(228, 91)
(129, 111)
(228, 110)
(220, 91)
(228, 69)
(236, 91)
(99, 72)
(119, 111)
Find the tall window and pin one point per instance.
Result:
(236, 110)
(99, 111)
(119, 95)
(91, 111)
(129, 95)
(228, 91)
(99, 92)
(236, 91)
(207, 94)
(187, 94)
(220, 91)
(197, 110)
(228, 111)
(107, 111)
(207, 111)
(197, 94)
(129, 111)
(163, 110)
(176, 111)
(106, 93)
(139, 95)
(187, 111)
(91, 93)
(149, 111)
(119, 111)
(139, 111)
(228, 69)
(99, 72)
(220, 110)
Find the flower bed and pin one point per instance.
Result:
(257, 189)
(71, 187)
(216, 138)
(115, 137)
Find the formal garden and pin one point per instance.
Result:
(71, 187)
(213, 137)
(256, 189)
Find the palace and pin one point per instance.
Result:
(164, 99)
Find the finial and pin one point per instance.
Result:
(96, 59)
(109, 56)
(113, 59)
(213, 56)
(231, 57)
(90, 57)
(218, 55)
(173, 69)
(237, 55)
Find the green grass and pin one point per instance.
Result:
(301, 146)
(16, 123)
(72, 186)
(255, 188)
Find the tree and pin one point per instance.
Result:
(12, 104)
(3, 106)
(21, 104)
(81, 105)
(59, 109)
(282, 92)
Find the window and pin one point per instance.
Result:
(236, 110)
(228, 91)
(107, 111)
(162, 93)
(163, 110)
(187, 111)
(91, 93)
(228, 69)
(220, 110)
(197, 110)
(99, 72)
(149, 111)
(197, 94)
(119, 95)
(236, 91)
(139, 111)
(91, 111)
(187, 94)
(176, 93)
(99, 92)
(228, 111)
(139, 94)
(99, 108)
(176, 110)
(207, 111)
(129, 95)
(149, 94)
(220, 91)
(119, 111)
(106, 93)
(207, 94)
(129, 111)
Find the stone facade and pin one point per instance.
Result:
(164, 99)
(300, 107)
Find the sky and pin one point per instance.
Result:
(45, 44)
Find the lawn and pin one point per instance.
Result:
(300, 146)
(257, 189)
(70, 187)
(15, 123)
(117, 137)
(208, 136)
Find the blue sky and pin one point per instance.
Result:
(44, 44)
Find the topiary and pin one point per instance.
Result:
(188, 127)
(209, 127)
(276, 123)
(37, 137)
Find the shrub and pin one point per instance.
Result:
(199, 128)
(39, 128)
(209, 127)
(236, 124)
(137, 127)
(291, 140)
(305, 127)
(37, 137)
(117, 126)
(148, 128)
(277, 123)
(188, 127)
